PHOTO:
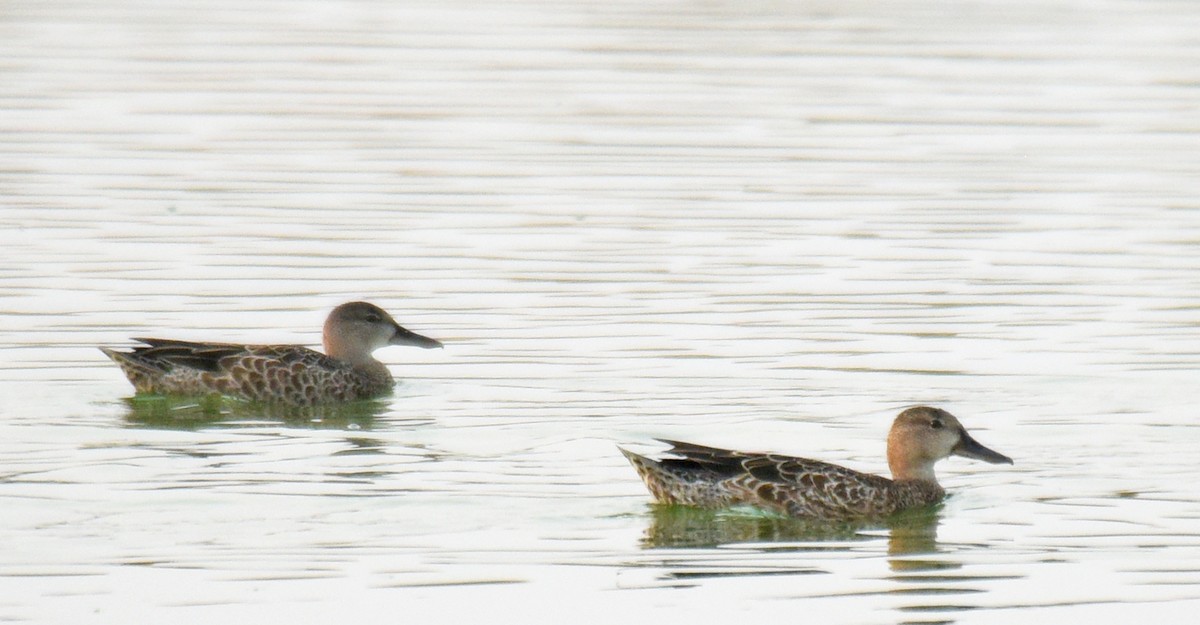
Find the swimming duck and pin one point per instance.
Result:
(289, 374)
(716, 478)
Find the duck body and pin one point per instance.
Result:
(711, 477)
(289, 374)
(292, 374)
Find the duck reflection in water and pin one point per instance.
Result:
(186, 412)
(674, 526)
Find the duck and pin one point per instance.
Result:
(284, 374)
(710, 477)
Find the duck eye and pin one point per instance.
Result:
(373, 318)
(936, 424)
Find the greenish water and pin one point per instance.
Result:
(760, 226)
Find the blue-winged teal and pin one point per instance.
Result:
(289, 374)
(717, 478)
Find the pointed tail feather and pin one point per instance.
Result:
(141, 373)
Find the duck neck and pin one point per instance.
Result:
(912, 472)
(360, 359)
(349, 351)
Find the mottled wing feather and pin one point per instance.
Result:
(290, 373)
(692, 456)
(714, 477)
(202, 356)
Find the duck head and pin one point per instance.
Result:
(921, 436)
(354, 330)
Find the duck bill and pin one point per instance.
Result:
(408, 337)
(970, 448)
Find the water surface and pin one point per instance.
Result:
(764, 225)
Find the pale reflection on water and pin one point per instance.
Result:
(756, 226)
(682, 526)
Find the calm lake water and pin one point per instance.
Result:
(765, 225)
